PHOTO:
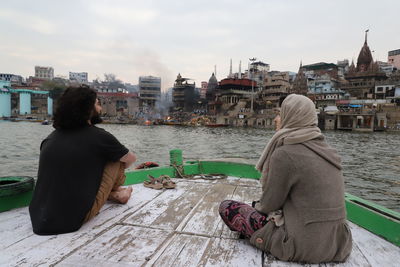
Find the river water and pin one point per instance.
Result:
(371, 161)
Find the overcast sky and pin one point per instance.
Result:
(163, 38)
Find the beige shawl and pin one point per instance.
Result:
(299, 124)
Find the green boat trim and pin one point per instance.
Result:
(368, 215)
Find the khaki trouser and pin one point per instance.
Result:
(113, 177)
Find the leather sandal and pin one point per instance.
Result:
(167, 182)
(153, 183)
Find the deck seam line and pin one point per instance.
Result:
(204, 182)
(176, 231)
(187, 218)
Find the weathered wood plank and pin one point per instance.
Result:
(204, 218)
(15, 226)
(169, 209)
(36, 250)
(228, 252)
(243, 181)
(376, 250)
(355, 259)
(228, 180)
(182, 250)
(122, 245)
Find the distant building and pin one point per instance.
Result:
(321, 68)
(184, 95)
(80, 77)
(231, 90)
(361, 79)
(343, 67)
(118, 103)
(14, 79)
(300, 86)
(203, 90)
(212, 86)
(387, 89)
(36, 82)
(44, 72)
(324, 90)
(386, 67)
(258, 72)
(259, 66)
(277, 85)
(168, 95)
(394, 58)
(149, 92)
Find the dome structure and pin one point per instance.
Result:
(212, 83)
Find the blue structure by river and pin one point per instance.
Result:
(24, 100)
(371, 161)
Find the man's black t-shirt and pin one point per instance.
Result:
(71, 166)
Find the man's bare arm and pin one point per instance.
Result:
(128, 159)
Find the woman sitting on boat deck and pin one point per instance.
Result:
(301, 215)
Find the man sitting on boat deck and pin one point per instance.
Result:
(80, 166)
(301, 215)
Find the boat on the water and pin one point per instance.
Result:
(181, 226)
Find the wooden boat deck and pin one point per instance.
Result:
(175, 227)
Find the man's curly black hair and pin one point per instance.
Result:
(74, 108)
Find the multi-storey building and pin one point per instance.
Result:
(321, 68)
(203, 89)
(343, 67)
(149, 92)
(324, 90)
(394, 58)
(386, 67)
(277, 85)
(44, 72)
(387, 89)
(258, 72)
(183, 95)
(80, 77)
(14, 79)
(118, 103)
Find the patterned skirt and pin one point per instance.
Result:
(241, 217)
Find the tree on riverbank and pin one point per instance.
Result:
(55, 88)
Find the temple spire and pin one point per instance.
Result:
(230, 70)
(366, 35)
(240, 69)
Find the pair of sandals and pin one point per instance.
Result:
(164, 181)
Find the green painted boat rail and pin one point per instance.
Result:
(371, 216)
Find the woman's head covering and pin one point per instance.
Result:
(298, 124)
(298, 111)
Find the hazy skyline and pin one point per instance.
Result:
(164, 38)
